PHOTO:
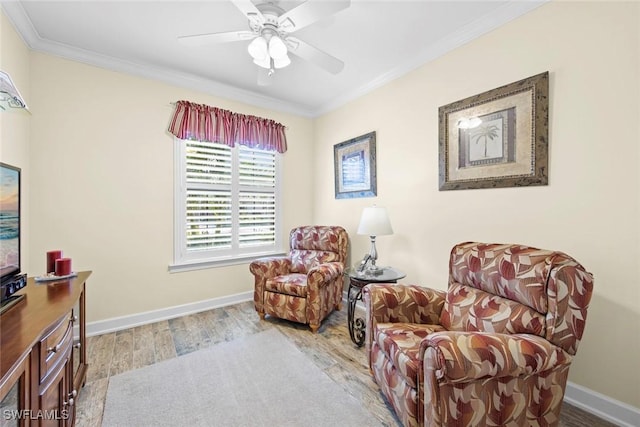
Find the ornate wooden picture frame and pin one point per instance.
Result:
(355, 167)
(496, 139)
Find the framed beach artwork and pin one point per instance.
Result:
(355, 167)
(496, 139)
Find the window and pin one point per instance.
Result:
(226, 204)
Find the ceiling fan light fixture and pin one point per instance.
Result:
(277, 48)
(264, 63)
(281, 62)
(269, 32)
(258, 49)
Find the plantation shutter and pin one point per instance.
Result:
(208, 196)
(257, 199)
(230, 200)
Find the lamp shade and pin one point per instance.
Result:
(281, 62)
(375, 222)
(264, 63)
(277, 48)
(258, 49)
(269, 51)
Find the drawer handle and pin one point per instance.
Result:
(74, 318)
(55, 349)
(71, 400)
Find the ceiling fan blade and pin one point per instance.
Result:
(309, 12)
(212, 38)
(249, 10)
(312, 54)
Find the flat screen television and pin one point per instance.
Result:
(9, 221)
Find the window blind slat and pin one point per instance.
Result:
(208, 219)
(257, 216)
(256, 168)
(208, 163)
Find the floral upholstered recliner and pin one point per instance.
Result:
(493, 350)
(306, 285)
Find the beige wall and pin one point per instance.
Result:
(14, 125)
(102, 185)
(590, 207)
(98, 165)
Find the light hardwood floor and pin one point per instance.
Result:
(330, 349)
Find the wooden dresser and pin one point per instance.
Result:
(43, 357)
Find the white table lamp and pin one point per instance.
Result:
(374, 222)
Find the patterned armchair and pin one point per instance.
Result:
(494, 349)
(306, 285)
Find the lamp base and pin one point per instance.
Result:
(374, 270)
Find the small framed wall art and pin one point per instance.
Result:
(496, 139)
(355, 167)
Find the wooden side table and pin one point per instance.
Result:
(357, 281)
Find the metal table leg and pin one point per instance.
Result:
(356, 326)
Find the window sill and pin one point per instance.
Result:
(220, 262)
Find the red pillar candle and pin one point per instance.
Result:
(52, 256)
(63, 266)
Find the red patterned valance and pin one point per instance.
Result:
(204, 123)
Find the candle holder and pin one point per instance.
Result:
(52, 256)
(63, 267)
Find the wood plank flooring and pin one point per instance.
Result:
(330, 349)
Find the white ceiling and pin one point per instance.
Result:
(377, 40)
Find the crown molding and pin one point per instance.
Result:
(473, 30)
(18, 17)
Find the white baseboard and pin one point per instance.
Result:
(118, 323)
(598, 404)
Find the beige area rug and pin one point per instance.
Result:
(258, 380)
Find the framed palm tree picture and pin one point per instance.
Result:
(498, 138)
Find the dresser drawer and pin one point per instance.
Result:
(55, 345)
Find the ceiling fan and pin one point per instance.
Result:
(270, 29)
